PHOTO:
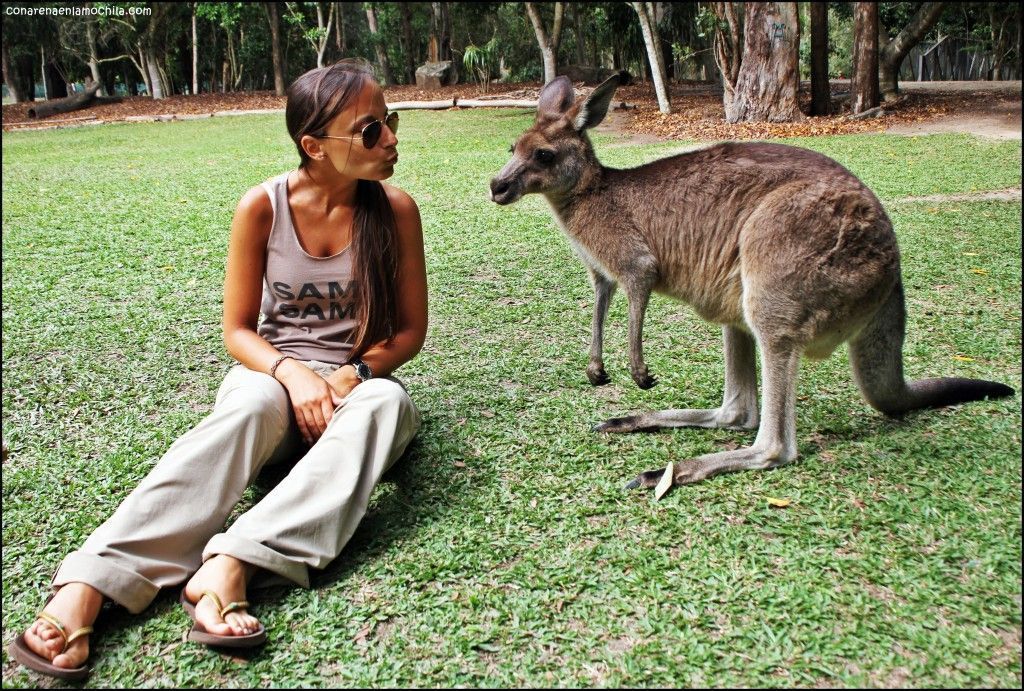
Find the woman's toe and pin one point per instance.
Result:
(74, 656)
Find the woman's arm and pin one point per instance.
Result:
(411, 293)
(311, 397)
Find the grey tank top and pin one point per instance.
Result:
(309, 303)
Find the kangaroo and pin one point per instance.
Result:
(782, 246)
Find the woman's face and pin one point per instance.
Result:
(349, 156)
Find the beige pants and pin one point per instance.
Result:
(165, 529)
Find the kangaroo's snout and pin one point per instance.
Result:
(504, 190)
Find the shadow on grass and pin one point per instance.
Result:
(415, 491)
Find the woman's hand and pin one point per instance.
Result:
(343, 380)
(313, 398)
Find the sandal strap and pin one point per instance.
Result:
(225, 609)
(84, 631)
(232, 606)
(213, 596)
(56, 623)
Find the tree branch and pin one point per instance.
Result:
(919, 25)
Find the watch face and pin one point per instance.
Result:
(363, 371)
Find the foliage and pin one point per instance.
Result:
(479, 62)
(502, 551)
(611, 37)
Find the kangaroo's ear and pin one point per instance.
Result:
(594, 109)
(555, 98)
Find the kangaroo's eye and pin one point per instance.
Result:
(544, 156)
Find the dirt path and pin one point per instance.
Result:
(995, 111)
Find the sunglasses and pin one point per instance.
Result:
(371, 133)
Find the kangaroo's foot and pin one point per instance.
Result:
(227, 577)
(596, 374)
(75, 605)
(702, 467)
(724, 418)
(643, 377)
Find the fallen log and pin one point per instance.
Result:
(496, 103)
(65, 105)
(462, 103)
(52, 122)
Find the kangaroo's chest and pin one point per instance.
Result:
(712, 288)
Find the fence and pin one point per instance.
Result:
(954, 59)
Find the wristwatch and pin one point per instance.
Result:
(363, 370)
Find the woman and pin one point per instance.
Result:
(333, 259)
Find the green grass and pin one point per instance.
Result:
(503, 551)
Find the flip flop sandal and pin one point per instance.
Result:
(199, 634)
(20, 651)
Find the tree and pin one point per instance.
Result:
(318, 37)
(11, 77)
(728, 46)
(768, 76)
(645, 11)
(81, 37)
(864, 91)
(548, 42)
(439, 46)
(408, 43)
(274, 20)
(1002, 18)
(195, 52)
(821, 96)
(892, 53)
(378, 44)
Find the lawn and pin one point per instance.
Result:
(503, 550)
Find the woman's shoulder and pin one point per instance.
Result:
(402, 202)
(254, 214)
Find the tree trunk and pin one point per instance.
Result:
(410, 43)
(321, 45)
(821, 97)
(577, 16)
(864, 83)
(548, 42)
(440, 42)
(339, 30)
(94, 63)
(891, 56)
(152, 67)
(382, 54)
(47, 86)
(769, 73)
(645, 11)
(140, 65)
(273, 18)
(728, 46)
(65, 105)
(195, 53)
(11, 77)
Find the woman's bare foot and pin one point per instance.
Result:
(227, 577)
(75, 605)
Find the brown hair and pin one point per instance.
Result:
(314, 99)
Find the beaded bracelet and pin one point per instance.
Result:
(278, 361)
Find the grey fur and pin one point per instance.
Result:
(782, 246)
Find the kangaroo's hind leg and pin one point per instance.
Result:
(739, 403)
(775, 444)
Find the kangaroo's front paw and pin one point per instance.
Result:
(597, 376)
(643, 378)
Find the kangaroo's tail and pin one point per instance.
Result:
(877, 358)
